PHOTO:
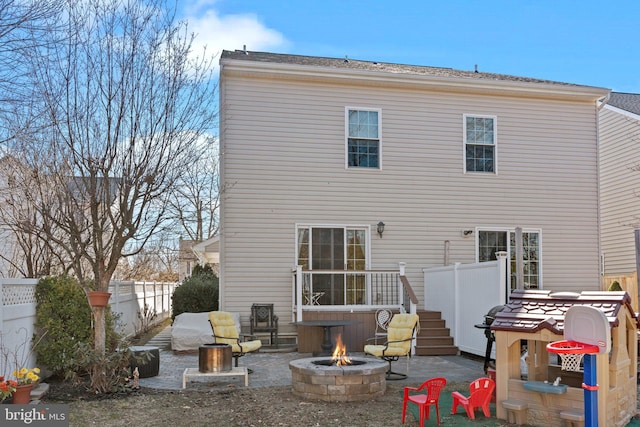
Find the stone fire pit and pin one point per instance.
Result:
(364, 380)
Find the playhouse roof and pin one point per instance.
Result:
(533, 310)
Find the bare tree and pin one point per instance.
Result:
(194, 201)
(26, 251)
(21, 23)
(125, 107)
(157, 261)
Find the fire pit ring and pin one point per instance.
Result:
(312, 379)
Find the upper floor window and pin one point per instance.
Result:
(479, 144)
(363, 138)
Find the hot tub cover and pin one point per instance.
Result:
(192, 330)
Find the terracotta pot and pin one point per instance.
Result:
(98, 299)
(22, 395)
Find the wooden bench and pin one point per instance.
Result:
(572, 418)
(516, 411)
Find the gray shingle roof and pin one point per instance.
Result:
(625, 101)
(348, 63)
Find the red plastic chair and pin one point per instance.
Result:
(429, 393)
(480, 396)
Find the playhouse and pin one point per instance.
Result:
(527, 386)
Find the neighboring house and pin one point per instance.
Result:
(620, 182)
(202, 253)
(316, 152)
(208, 252)
(186, 258)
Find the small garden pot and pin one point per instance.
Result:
(99, 299)
(22, 395)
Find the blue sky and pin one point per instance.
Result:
(585, 42)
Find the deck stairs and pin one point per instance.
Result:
(434, 338)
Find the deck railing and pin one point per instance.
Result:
(351, 290)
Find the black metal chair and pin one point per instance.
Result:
(264, 320)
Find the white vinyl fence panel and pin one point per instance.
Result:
(464, 294)
(17, 318)
(18, 314)
(129, 298)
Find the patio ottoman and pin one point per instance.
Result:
(146, 368)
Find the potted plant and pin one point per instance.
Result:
(98, 298)
(25, 378)
(7, 388)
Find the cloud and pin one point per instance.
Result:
(229, 32)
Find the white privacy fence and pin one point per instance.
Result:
(17, 318)
(464, 294)
(129, 299)
(18, 313)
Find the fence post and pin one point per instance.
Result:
(457, 300)
(164, 289)
(502, 265)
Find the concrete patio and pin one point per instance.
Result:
(271, 368)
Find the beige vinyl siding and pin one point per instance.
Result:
(619, 189)
(283, 163)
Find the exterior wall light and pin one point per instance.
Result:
(467, 232)
(380, 228)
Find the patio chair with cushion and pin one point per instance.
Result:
(225, 331)
(400, 335)
(424, 396)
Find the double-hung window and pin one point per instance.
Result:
(479, 143)
(335, 254)
(363, 138)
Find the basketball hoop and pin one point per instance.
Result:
(571, 353)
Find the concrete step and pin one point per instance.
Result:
(162, 340)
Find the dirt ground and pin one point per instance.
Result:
(274, 406)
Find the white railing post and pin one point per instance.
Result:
(299, 281)
(401, 270)
(502, 266)
(457, 302)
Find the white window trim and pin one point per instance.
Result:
(513, 230)
(346, 137)
(495, 143)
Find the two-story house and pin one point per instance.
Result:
(347, 168)
(620, 188)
